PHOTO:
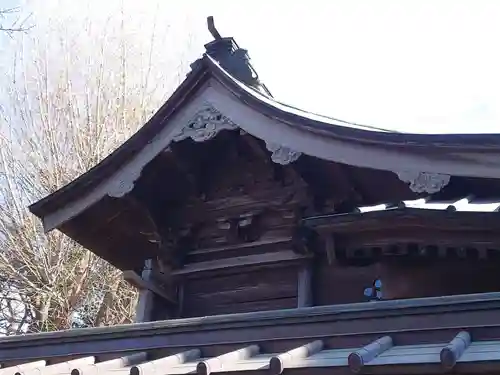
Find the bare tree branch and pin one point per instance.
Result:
(11, 21)
(68, 100)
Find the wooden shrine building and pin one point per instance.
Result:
(268, 240)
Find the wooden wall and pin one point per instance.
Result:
(240, 255)
(233, 235)
(403, 278)
(438, 278)
(244, 291)
(337, 284)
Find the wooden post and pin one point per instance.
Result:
(304, 286)
(146, 297)
(330, 248)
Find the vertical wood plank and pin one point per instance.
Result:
(144, 307)
(304, 286)
(180, 295)
(330, 248)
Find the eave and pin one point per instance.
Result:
(415, 230)
(89, 180)
(463, 146)
(404, 217)
(285, 130)
(344, 130)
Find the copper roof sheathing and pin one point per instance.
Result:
(459, 332)
(250, 359)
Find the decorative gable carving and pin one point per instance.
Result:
(205, 125)
(208, 121)
(424, 182)
(281, 154)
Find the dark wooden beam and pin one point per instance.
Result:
(145, 304)
(133, 278)
(404, 217)
(304, 286)
(330, 248)
(280, 258)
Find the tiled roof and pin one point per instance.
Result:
(249, 358)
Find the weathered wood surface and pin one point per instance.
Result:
(142, 284)
(386, 219)
(238, 264)
(240, 249)
(239, 292)
(145, 302)
(337, 284)
(438, 278)
(305, 286)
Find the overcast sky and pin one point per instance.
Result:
(411, 65)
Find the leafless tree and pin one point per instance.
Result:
(74, 92)
(11, 20)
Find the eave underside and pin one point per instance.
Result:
(121, 230)
(411, 334)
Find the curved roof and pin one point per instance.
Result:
(343, 129)
(468, 150)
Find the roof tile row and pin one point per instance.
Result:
(381, 352)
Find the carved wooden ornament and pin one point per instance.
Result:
(424, 182)
(281, 154)
(205, 125)
(208, 121)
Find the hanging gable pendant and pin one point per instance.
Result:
(281, 154)
(424, 182)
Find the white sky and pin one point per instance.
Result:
(411, 65)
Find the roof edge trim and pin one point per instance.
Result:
(365, 310)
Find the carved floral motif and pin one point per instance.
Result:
(208, 121)
(205, 125)
(281, 154)
(424, 182)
